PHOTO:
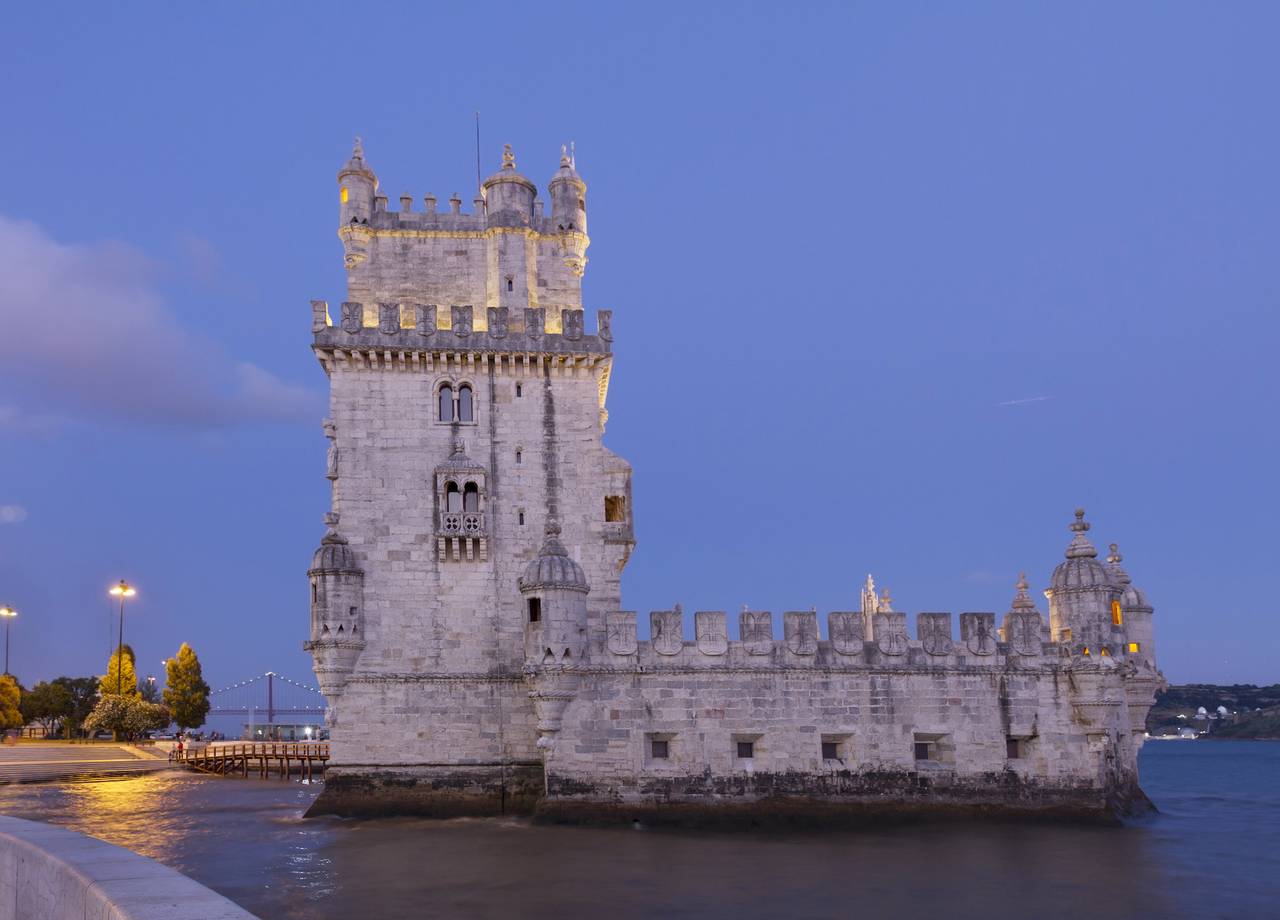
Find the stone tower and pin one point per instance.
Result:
(467, 411)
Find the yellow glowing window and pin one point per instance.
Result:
(1086, 651)
(1104, 652)
(1117, 618)
(345, 194)
(1134, 648)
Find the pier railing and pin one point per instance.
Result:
(265, 758)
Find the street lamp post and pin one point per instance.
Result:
(8, 613)
(121, 591)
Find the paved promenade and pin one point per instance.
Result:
(33, 762)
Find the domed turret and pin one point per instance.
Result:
(555, 604)
(337, 610)
(509, 195)
(569, 212)
(1080, 594)
(357, 187)
(1135, 610)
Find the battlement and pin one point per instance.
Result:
(459, 328)
(850, 641)
(431, 219)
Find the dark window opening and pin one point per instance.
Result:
(582, 205)
(519, 456)
(830, 750)
(446, 403)
(466, 408)
(353, 611)
(511, 285)
(519, 390)
(746, 750)
(315, 596)
(1013, 748)
(615, 508)
(535, 611)
(660, 750)
(471, 497)
(452, 497)
(520, 518)
(924, 750)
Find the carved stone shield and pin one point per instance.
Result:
(756, 629)
(498, 322)
(845, 630)
(712, 633)
(424, 318)
(620, 632)
(978, 631)
(667, 630)
(1024, 629)
(535, 321)
(604, 325)
(388, 318)
(800, 630)
(891, 633)
(461, 320)
(934, 630)
(573, 324)
(352, 317)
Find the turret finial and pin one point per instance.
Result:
(1080, 545)
(1022, 600)
(1115, 556)
(564, 154)
(508, 157)
(357, 151)
(1080, 525)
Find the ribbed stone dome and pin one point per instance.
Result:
(553, 568)
(1131, 596)
(334, 555)
(1082, 568)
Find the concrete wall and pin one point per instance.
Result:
(50, 873)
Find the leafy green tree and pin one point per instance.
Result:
(84, 696)
(10, 703)
(47, 703)
(126, 716)
(120, 678)
(185, 692)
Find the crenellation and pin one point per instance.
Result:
(466, 607)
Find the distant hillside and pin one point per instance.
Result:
(1251, 711)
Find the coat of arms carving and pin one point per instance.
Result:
(388, 318)
(461, 321)
(845, 630)
(667, 631)
(424, 318)
(620, 632)
(800, 630)
(573, 324)
(352, 317)
(712, 634)
(935, 633)
(891, 633)
(756, 629)
(1024, 629)
(979, 631)
(498, 322)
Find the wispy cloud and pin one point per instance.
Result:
(88, 335)
(12, 514)
(1023, 402)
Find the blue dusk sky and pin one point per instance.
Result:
(895, 288)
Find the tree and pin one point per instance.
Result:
(120, 679)
(10, 703)
(126, 716)
(185, 693)
(84, 696)
(47, 703)
(147, 688)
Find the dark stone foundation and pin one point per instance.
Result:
(785, 799)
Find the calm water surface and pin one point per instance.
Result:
(1213, 852)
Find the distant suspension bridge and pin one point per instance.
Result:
(265, 697)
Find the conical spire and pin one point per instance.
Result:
(1080, 546)
(1022, 600)
(357, 162)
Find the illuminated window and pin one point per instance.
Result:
(615, 508)
(345, 195)
(1134, 648)
(1117, 618)
(1104, 652)
(1086, 651)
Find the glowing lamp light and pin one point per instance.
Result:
(122, 590)
(7, 611)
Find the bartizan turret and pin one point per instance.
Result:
(1084, 600)
(357, 188)
(554, 590)
(337, 611)
(569, 212)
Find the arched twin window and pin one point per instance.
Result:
(457, 405)
(465, 499)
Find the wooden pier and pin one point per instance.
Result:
(266, 759)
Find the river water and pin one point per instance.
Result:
(1214, 851)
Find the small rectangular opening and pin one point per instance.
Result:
(519, 390)
(1013, 748)
(924, 750)
(659, 749)
(1134, 648)
(830, 750)
(520, 517)
(511, 285)
(746, 750)
(934, 748)
(535, 609)
(615, 508)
